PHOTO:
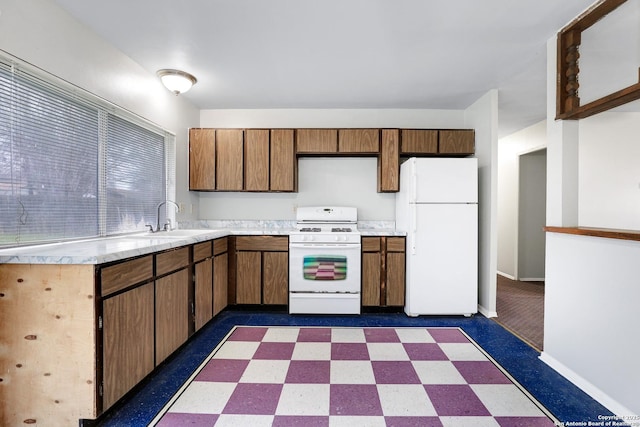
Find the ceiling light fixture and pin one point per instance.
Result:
(176, 81)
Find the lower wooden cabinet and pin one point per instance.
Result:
(128, 351)
(262, 270)
(383, 271)
(220, 275)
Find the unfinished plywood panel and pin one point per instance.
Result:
(47, 344)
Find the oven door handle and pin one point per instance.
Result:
(354, 246)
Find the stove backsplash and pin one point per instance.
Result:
(272, 224)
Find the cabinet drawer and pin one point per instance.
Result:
(359, 141)
(219, 246)
(418, 141)
(395, 244)
(262, 243)
(201, 251)
(370, 244)
(172, 260)
(127, 273)
(317, 140)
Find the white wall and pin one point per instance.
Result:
(509, 150)
(44, 35)
(609, 171)
(338, 181)
(483, 117)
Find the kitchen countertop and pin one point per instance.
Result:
(109, 249)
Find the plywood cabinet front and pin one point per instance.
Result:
(395, 271)
(283, 161)
(456, 142)
(418, 141)
(262, 269)
(202, 159)
(316, 141)
(383, 271)
(203, 283)
(256, 160)
(371, 262)
(220, 274)
(128, 341)
(172, 313)
(359, 141)
(229, 159)
(389, 161)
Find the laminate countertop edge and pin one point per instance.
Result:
(606, 233)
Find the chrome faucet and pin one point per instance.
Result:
(158, 216)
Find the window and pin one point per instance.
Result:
(73, 168)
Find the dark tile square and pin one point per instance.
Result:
(349, 351)
(274, 351)
(248, 334)
(309, 372)
(448, 335)
(381, 335)
(300, 421)
(314, 335)
(222, 370)
(394, 372)
(455, 400)
(254, 399)
(354, 399)
(424, 351)
(481, 372)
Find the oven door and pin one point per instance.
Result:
(318, 267)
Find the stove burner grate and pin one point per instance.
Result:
(310, 229)
(341, 230)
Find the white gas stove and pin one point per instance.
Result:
(324, 261)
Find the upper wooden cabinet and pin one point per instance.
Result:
(229, 159)
(458, 142)
(256, 157)
(202, 159)
(418, 141)
(389, 161)
(359, 141)
(316, 141)
(283, 161)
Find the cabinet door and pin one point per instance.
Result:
(359, 141)
(275, 277)
(395, 271)
(172, 313)
(283, 161)
(389, 161)
(418, 141)
(229, 161)
(256, 160)
(317, 141)
(248, 277)
(220, 282)
(203, 292)
(460, 142)
(202, 159)
(371, 279)
(127, 341)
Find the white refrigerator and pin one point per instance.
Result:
(437, 207)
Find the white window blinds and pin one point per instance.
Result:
(69, 168)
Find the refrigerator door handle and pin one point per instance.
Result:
(414, 226)
(414, 187)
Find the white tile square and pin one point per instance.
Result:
(265, 372)
(437, 372)
(230, 420)
(462, 351)
(355, 335)
(404, 400)
(356, 421)
(304, 399)
(387, 351)
(203, 397)
(237, 350)
(467, 422)
(505, 400)
(414, 335)
(312, 351)
(351, 372)
(281, 335)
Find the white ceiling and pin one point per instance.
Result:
(435, 54)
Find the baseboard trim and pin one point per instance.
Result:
(532, 279)
(508, 276)
(607, 401)
(487, 313)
